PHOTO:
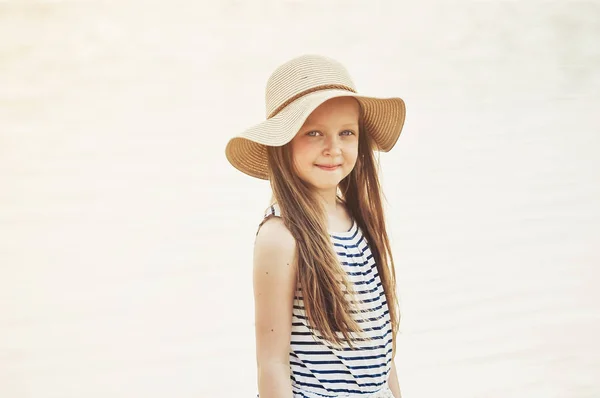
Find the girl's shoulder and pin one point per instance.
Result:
(273, 237)
(271, 212)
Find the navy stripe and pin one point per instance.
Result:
(387, 323)
(378, 299)
(353, 245)
(345, 349)
(370, 290)
(346, 238)
(350, 255)
(338, 362)
(344, 358)
(373, 309)
(366, 282)
(325, 372)
(344, 372)
(369, 257)
(356, 339)
(343, 390)
(359, 320)
(371, 270)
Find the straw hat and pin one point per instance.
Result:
(294, 90)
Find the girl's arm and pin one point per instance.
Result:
(393, 382)
(274, 280)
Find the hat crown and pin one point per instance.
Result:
(302, 75)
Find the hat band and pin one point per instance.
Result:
(308, 91)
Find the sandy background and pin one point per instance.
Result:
(126, 237)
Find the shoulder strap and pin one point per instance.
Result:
(272, 211)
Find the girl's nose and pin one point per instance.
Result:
(332, 146)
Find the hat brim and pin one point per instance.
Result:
(383, 119)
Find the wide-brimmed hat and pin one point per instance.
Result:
(293, 92)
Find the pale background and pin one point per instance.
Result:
(126, 238)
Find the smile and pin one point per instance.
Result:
(328, 168)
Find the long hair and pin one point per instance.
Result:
(322, 281)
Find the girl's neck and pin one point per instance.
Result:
(331, 203)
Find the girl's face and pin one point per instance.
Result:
(325, 149)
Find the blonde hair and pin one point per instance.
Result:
(321, 278)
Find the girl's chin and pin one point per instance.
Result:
(324, 185)
(323, 180)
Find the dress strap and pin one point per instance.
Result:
(272, 211)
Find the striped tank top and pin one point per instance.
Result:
(320, 370)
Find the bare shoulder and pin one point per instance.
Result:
(274, 239)
(274, 264)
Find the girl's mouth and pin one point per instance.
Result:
(328, 168)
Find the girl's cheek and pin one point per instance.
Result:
(351, 148)
(304, 147)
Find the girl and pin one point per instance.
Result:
(326, 309)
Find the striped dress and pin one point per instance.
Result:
(320, 370)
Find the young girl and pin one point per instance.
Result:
(326, 309)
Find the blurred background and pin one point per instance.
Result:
(126, 238)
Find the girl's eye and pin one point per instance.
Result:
(316, 133)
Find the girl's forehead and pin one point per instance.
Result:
(344, 110)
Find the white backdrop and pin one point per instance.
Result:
(126, 237)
